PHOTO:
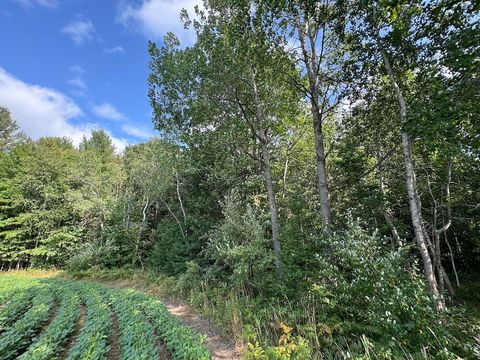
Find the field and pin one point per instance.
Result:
(55, 318)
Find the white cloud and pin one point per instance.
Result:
(41, 111)
(78, 83)
(80, 30)
(136, 131)
(155, 18)
(108, 111)
(30, 3)
(77, 69)
(115, 50)
(79, 86)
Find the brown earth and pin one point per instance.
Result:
(115, 350)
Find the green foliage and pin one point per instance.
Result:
(53, 196)
(192, 204)
(289, 348)
(182, 342)
(136, 335)
(92, 341)
(171, 249)
(366, 288)
(238, 246)
(16, 306)
(9, 132)
(18, 336)
(50, 343)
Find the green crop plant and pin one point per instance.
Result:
(27, 335)
(14, 308)
(21, 332)
(182, 342)
(136, 336)
(92, 342)
(51, 341)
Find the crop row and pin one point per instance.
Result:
(182, 342)
(19, 335)
(137, 339)
(16, 306)
(92, 342)
(10, 287)
(50, 343)
(141, 318)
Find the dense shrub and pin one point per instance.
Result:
(239, 248)
(361, 296)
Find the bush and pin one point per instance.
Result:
(239, 249)
(170, 252)
(367, 290)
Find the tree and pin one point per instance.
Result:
(98, 183)
(9, 132)
(237, 76)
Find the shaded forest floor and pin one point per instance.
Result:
(468, 296)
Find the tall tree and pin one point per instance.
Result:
(310, 33)
(241, 78)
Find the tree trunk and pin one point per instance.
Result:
(323, 191)
(267, 173)
(139, 235)
(175, 217)
(180, 199)
(385, 210)
(412, 192)
(273, 205)
(416, 222)
(310, 58)
(449, 219)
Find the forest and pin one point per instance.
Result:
(313, 189)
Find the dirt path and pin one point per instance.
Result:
(115, 350)
(220, 348)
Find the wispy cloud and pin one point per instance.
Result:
(31, 3)
(77, 82)
(155, 18)
(41, 111)
(136, 131)
(77, 69)
(80, 30)
(108, 111)
(114, 50)
(79, 86)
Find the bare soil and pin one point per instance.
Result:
(220, 348)
(115, 350)
(162, 349)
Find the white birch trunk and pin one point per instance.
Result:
(412, 192)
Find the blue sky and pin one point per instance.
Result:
(67, 66)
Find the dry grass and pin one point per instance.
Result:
(34, 273)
